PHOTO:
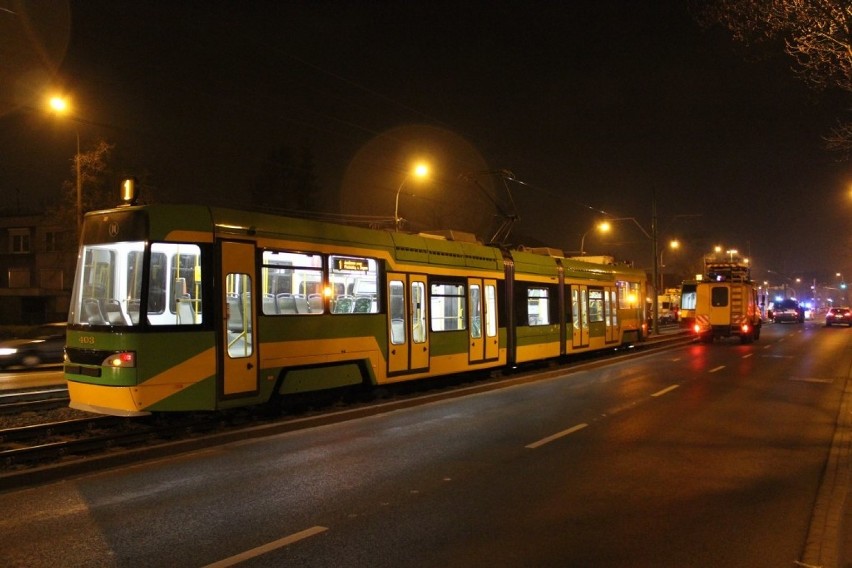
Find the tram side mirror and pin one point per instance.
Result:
(129, 193)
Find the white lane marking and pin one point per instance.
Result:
(556, 436)
(665, 390)
(811, 380)
(719, 368)
(747, 355)
(248, 554)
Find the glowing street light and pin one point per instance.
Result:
(731, 253)
(602, 227)
(60, 105)
(420, 170)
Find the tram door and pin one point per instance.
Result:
(239, 352)
(579, 316)
(611, 315)
(482, 315)
(408, 312)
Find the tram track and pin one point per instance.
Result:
(32, 453)
(33, 400)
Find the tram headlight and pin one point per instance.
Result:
(122, 360)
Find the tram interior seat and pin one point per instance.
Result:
(269, 305)
(301, 304)
(418, 333)
(185, 313)
(286, 303)
(344, 305)
(113, 312)
(363, 305)
(92, 312)
(397, 331)
(315, 303)
(133, 306)
(235, 316)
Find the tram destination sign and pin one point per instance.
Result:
(351, 265)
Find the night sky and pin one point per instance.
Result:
(595, 106)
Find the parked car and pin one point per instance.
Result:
(788, 310)
(838, 316)
(46, 344)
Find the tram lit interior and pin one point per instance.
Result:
(109, 287)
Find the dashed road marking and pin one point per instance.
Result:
(665, 390)
(248, 554)
(556, 436)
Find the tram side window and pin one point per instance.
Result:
(353, 284)
(596, 305)
(108, 286)
(538, 306)
(475, 311)
(291, 283)
(688, 297)
(96, 286)
(238, 314)
(174, 285)
(447, 301)
(490, 310)
(157, 284)
(628, 294)
(396, 301)
(185, 297)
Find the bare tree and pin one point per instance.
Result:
(99, 185)
(287, 181)
(817, 34)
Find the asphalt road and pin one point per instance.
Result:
(705, 455)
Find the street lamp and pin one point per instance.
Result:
(421, 170)
(674, 244)
(60, 106)
(603, 227)
(654, 256)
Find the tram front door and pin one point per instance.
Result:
(239, 343)
(408, 335)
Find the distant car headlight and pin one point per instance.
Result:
(6, 351)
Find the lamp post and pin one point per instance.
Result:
(652, 236)
(60, 106)
(674, 244)
(603, 227)
(420, 171)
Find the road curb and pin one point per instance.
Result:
(829, 540)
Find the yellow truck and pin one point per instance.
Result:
(727, 305)
(726, 309)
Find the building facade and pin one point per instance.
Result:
(37, 259)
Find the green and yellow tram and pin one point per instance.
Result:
(179, 307)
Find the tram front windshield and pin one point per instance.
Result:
(117, 283)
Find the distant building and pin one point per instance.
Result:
(36, 269)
